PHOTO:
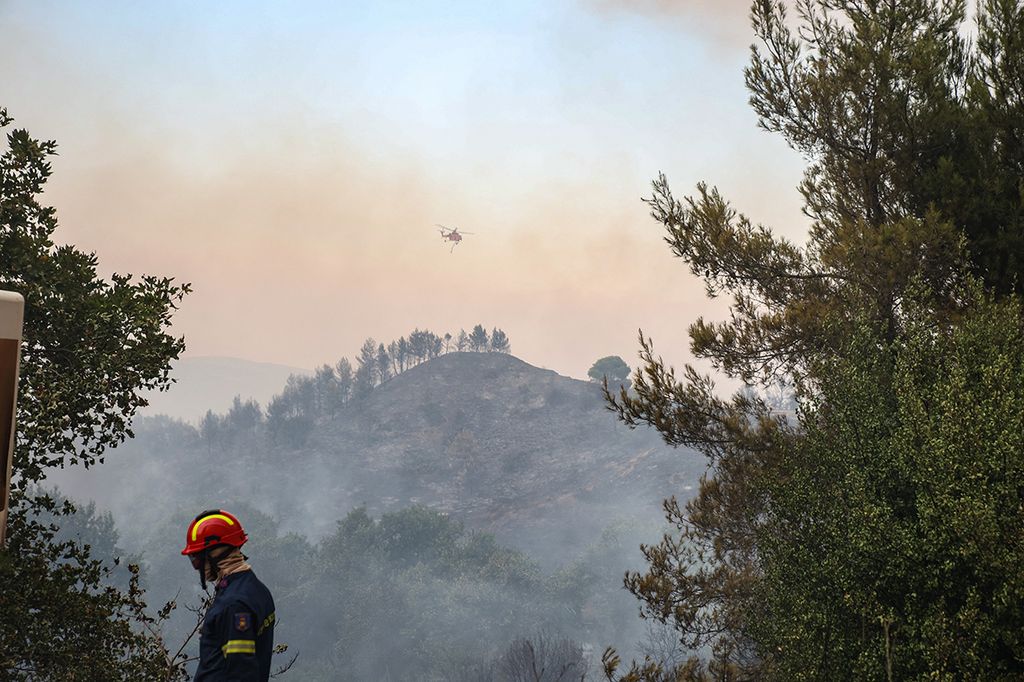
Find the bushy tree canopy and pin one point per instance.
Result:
(891, 547)
(90, 349)
(613, 368)
(812, 550)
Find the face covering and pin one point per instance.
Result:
(231, 562)
(219, 562)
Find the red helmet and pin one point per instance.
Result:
(213, 527)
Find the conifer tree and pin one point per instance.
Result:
(366, 374)
(383, 364)
(478, 339)
(910, 139)
(344, 377)
(499, 341)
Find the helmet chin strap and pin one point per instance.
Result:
(202, 570)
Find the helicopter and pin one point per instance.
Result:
(452, 235)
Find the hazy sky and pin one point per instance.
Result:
(290, 160)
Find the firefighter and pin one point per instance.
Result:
(237, 636)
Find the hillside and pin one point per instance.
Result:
(501, 445)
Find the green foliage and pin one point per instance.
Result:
(875, 96)
(91, 348)
(892, 546)
(60, 622)
(990, 204)
(913, 141)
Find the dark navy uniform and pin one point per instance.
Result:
(237, 638)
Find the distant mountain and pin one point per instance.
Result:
(211, 383)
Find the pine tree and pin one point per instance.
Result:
(478, 340)
(383, 364)
(906, 158)
(499, 342)
(344, 378)
(366, 374)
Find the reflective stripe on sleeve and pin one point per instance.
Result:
(239, 646)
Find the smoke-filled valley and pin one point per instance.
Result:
(457, 520)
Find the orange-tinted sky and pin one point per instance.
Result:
(291, 162)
